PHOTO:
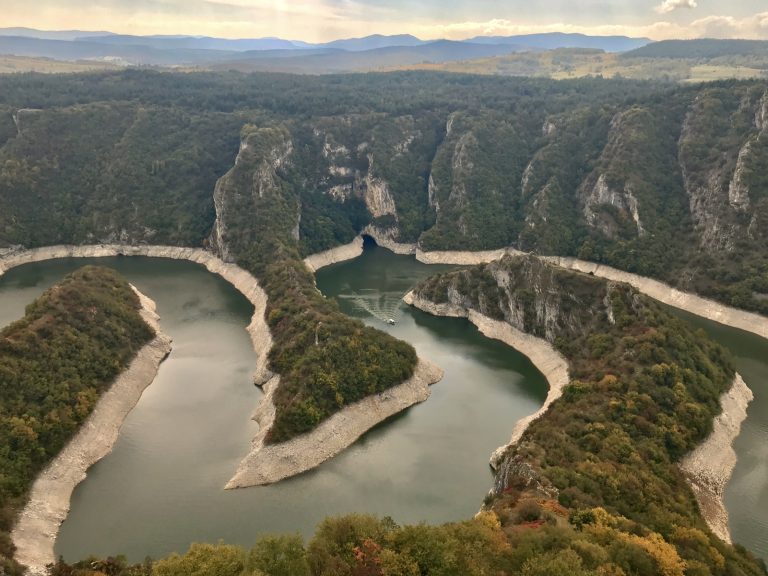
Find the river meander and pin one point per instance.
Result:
(161, 487)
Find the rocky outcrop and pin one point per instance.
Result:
(253, 185)
(628, 134)
(335, 255)
(717, 187)
(601, 195)
(710, 466)
(547, 360)
(267, 464)
(386, 239)
(38, 524)
(19, 114)
(378, 198)
(738, 192)
(703, 307)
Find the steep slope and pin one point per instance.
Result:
(644, 390)
(112, 172)
(55, 363)
(325, 360)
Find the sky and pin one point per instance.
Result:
(323, 20)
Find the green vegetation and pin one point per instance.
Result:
(658, 61)
(615, 171)
(54, 364)
(644, 390)
(467, 163)
(325, 359)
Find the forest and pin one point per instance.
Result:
(264, 169)
(644, 390)
(592, 489)
(55, 363)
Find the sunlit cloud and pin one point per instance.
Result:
(753, 27)
(672, 5)
(323, 20)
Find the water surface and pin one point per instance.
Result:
(161, 487)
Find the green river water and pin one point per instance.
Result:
(161, 487)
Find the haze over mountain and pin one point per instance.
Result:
(351, 54)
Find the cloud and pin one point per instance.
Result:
(671, 5)
(753, 27)
(502, 27)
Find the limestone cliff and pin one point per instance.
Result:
(719, 184)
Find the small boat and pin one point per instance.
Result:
(391, 321)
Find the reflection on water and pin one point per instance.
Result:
(161, 487)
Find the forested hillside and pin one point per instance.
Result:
(592, 489)
(643, 392)
(660, 180)
(54, 364)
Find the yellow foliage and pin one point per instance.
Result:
(665, 554)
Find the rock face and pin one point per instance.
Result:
(378, 197)
(253, 183)
(719, 191)
(38, 524)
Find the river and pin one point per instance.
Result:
(161, 487)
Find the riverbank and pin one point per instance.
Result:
(335, 255)
(37, 526)
(547, 360)
(267, 464)
(319, 445)
(242, 280)
(708, 468)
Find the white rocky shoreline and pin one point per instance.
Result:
(541, 353)
(318, 445)
(709, 467)
(38, 524)
(271, 463)
(553, 369)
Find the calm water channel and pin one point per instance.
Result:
(161, 487)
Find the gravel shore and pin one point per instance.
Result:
(38, 524)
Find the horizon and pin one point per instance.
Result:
(320, 21)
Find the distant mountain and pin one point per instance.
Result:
(197, 42)
(50, 34)
(337, 61)
(373, 42)
(81, 50)
(373, 52)
(553, 40)
(705, 48)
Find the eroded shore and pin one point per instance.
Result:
(547, 360)
(554, 370)
(38, 524)
(310, 449)
(267, 464)
(708, 468)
